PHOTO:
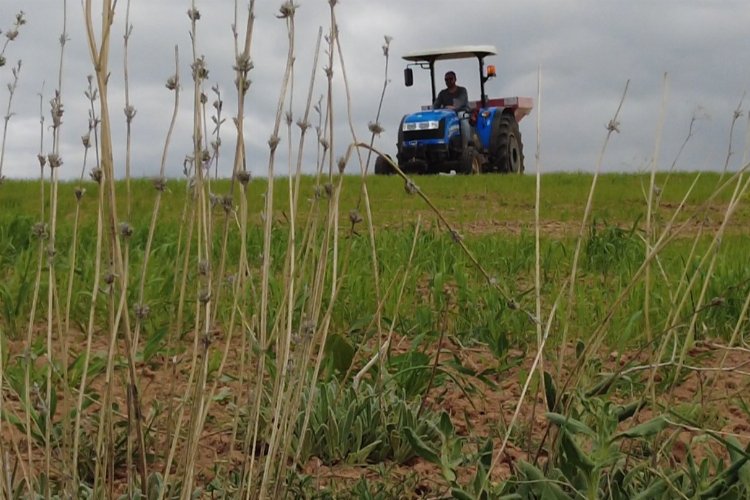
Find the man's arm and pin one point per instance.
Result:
(438, 104)
(461, 100)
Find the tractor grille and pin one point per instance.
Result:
(421, 135)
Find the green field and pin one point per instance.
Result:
(642, 351)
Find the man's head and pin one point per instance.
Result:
(450, 79)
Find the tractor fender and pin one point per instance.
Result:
(485, 117)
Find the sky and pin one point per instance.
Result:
(685, 63)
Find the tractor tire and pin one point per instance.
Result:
(383, 167)
(506, 147)
(471, 162)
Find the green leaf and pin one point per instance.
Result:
(539, 484)
(460, 494)
(360, 456)
(656, 490)
(740, 460)
(570, 424)
(550, 391)
(420, 447)
(575, 454)
(646, 429)
(445, 425)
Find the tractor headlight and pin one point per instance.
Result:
(425, 125)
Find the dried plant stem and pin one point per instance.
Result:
(12, 86)
(100, 60)
(650, 210)
(611, 127)
(89, 334)
(159, 185)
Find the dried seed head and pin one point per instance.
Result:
(39, 231)
(126, 231)
(203, 98)
(354, 216)
(96, 174)
(243, 63)
(109, 278)
(172, 82)
(227, 203)
(288, 118)
(213, 199)
(160, 184)
(203, 267)
(2, 61)
(42, 160)
(286, 10)
(375, 128)
(329, 189)
(142, 311)
(200, 72)
(79, 192)
(204, 296)
(194, 14)
(341, 163)
(387, 44)
(613, 126)
(11, 35)
(324, 142)
(242, 84)
(129, 113)
(86, 141)
(273, 142)
(244, 177)
(410, 187)
(303, 125)
(54, 160)
(456, 236)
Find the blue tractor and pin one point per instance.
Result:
(431, 141)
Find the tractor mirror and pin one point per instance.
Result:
(408, 77)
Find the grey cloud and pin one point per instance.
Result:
(586, 51)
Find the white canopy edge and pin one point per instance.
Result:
(456, 52)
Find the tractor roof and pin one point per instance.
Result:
(456, 52)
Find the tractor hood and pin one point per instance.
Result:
(426, 120)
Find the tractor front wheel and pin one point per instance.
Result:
(383, 166)
(471, 162)
(506, 148)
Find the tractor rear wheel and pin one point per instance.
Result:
(506, 148)
(382, 166)
(471, 162)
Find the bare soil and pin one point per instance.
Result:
(715, 379)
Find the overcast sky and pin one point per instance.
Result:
(587, 50)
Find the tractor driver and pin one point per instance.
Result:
(456, 98)
(453, 96)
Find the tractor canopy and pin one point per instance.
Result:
(426, 59)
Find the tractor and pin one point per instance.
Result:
(431, 140)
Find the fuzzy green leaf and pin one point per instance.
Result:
(570, 424)
(550, 391)
(646, 429)
(420, 447)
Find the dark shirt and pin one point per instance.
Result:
(459, 99)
